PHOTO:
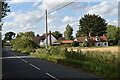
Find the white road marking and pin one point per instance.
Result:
(51, 76)
(35, 66)
(24, 60)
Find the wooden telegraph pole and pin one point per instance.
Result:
(46, 29)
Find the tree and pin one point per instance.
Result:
(56, 34)
(22, 43)
(26, 34)
(9, 36)
(3, 11)
(92, 24)
(68, 33)
(5, 8)
(75, 43)
(113, 34)
(80, 34)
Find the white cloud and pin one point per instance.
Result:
(22, 21)
(105, 9)
(112, 22)
(69, 19)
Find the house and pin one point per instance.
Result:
(41, 40)
(94, 41)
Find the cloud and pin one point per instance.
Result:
(105, 9)
(21, 1)
(22, 21)
(24, 18)
(112, 22)
(68, 19)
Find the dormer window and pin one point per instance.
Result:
(97, 39)
(87, 39)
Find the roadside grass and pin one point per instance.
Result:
(104, 64)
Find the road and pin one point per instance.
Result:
(17, 65)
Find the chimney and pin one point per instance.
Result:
(50, 37)
(89, 34)
(103, 34)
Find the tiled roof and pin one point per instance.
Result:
(61, 38)
(39, 38)
(92, 39)
(67, 41)
(36, 39)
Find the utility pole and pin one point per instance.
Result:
(46, 29)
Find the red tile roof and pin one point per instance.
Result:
(92, 39)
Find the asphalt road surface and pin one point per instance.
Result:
(16, 65)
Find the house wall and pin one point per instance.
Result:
(53, 39)
(101, 44)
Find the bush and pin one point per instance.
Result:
(75, 44)
(22, 43)
(85, 44)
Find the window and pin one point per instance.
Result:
(105, 43)
(98, 44)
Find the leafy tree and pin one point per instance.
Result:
(9, 36)
(26, 34)
(113, 34)
(117, 36)
(80, 34)
(5, 8)
(68, 33)
(23, 43)
(92, 24)
(56, 34)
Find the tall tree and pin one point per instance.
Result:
(68, 33)
(113, 34)
(5, 8)
(80, 34)
(9, 36)
(92, 24)
(26, 34)
(56, 34)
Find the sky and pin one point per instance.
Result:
(29, 15)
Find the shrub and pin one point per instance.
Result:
(85, 44)
(22, 43)
(75, 44)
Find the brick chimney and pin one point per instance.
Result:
(89, 34)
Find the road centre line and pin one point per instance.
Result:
(24, 60)
(35, 66)
(51, 76)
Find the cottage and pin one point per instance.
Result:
(94, 41)
(41, 40)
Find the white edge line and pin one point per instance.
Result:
(51, 76)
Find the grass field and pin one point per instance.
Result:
(113, 49)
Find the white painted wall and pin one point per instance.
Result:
(53, 39)
(101, 43)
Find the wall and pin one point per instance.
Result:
(101, 43)
(53, 39)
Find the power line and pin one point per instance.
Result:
(58, 8)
